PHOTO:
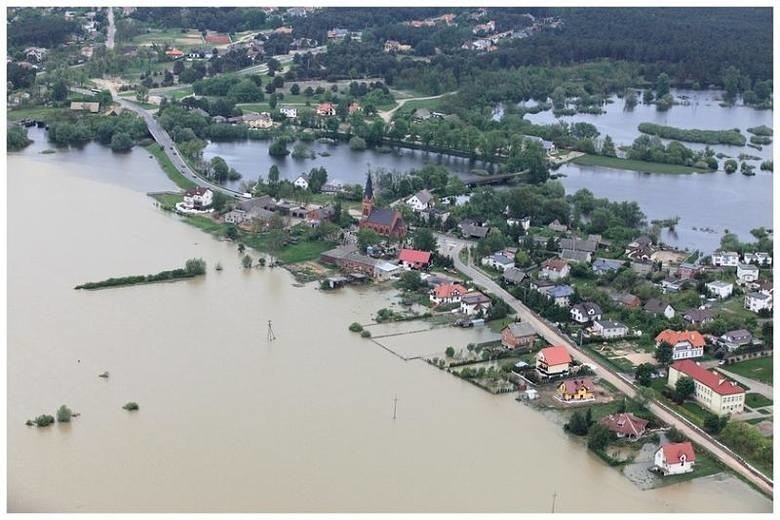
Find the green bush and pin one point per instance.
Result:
(64, 414)
(43, 420)
(356, 327)
(365, 334)
(131, 406)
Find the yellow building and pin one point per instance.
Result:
(576, 390)
(713, 391)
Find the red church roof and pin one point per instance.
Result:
(716, 382)
(414, 256)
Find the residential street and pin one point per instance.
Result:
(452, 247)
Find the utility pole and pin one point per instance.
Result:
(271, 335)
(395, 407)
(555, 495)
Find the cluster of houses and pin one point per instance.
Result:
(338, 34)
(446, 19)
(486, 38)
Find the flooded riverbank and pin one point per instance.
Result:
(229, 421)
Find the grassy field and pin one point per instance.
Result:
(430, 104)
(182, 40)
(759, 369)
(170, 170)
(757, 400)
(35, 112)
(625, 164)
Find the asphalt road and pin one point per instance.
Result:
(164, 140)
(452, 247)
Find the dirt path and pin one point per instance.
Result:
(388, 114)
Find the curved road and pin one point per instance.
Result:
(452, 247)
(165, 141)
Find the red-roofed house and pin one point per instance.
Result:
(415, 259)
(625, 425)
(553, 361)
(326, 109)
(576, 390)
(174, 53)
(713, 391)
(675, 458)
(448, 293)
(685, 343)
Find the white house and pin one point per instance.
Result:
(758, 257)
(609, 329)
(555, 269)
(758, 301)
(301, 182)
(725, 258)
(420, 201)
(585, 312)
(685, 344)
(720, 289)
(198, 199)
(734, 339)
(675, 458)
(499, 261)
(747, 273)
(657, 307)
(447, 293)
(289, 112)
(474, 302)
(524, 223)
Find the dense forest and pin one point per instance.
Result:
(30, 27)
(223, 19)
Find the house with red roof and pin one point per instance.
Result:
(686, 344)
(384, 221)
(625, 425)
(326, 109)
(675, 458)
(553, 362)
(576, 390)
(415, 259)
(174, 53)
(447, 293)
(554, 269)
(713, 391)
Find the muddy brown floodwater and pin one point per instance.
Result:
(229, 421)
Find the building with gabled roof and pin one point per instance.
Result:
(625, 425)
(685, 343)
(415, 259)
(675, 458)
(553, 362)
(713, 390)
(384, 221)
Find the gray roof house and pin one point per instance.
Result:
(604, 265)
(514, 275)
(578, 244)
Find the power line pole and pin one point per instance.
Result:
(395, 407)
(555, 495)
(271, 335)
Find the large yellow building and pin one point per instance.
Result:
(713, 391)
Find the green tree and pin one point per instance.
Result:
(424, 240)
(714, 424)
(643, 373)
(64, 414)
(450, 352)
(684, 388)
(730, 166)
(278, 148)
(662, 85)
(246, 261)
(410, 281)
(219, 169)
(577, 424)
(664, 353)
(121, 142)
(16, 138)
(599, 437)
(59, 91)
(731, 82)
(231, 232)
(295, 89)
(367, 237)
(608, 147)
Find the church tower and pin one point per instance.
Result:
(368, 197)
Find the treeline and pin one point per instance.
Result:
(120, 132)
(31, 27)
(193, 267)
(652, 149)
(732, 137)
(224, 19)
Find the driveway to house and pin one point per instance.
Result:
(388, 114)
(452, 247)
(755, 386)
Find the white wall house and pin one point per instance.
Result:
(198, 199)
(585, 312)
(758, 257)
(758, 301)
(420, 201)
(289, 112)
(747, 273)
(555, 269)
(499, 261)
(301, 182)
(609, 329)
(720, 289)
(675, 458)
(474, 302)
(725, 258)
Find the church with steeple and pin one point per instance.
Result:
(384, 221)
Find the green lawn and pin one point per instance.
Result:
(34, 112)
(757, 400)
(170, 170)
(759, 369)
(625, 164)
(430, 104)
(168, 200)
